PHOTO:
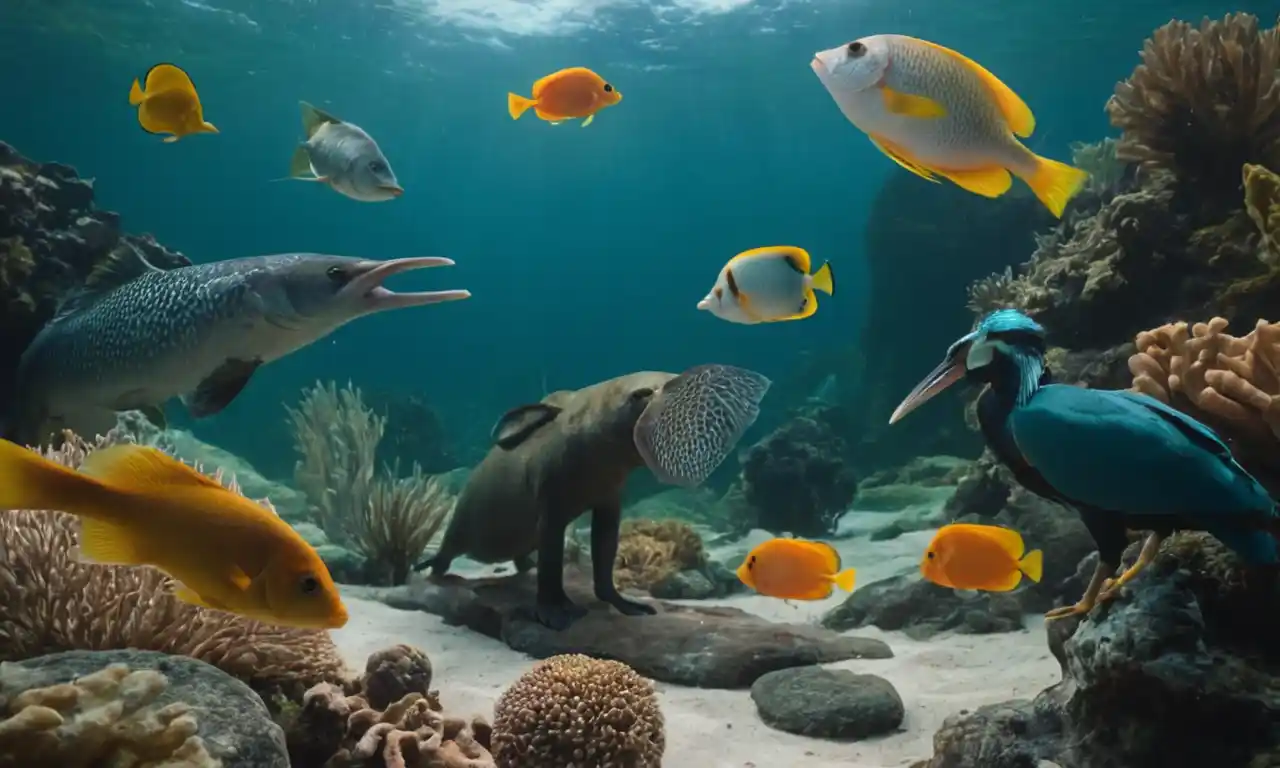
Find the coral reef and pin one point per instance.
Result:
(50, 601)
(87, 709)
(413, 434)
(579, 711)
(1204, 101)
(51, 238)
(1262, 202)
(652, 551)
(1181, 670)
(388, 519)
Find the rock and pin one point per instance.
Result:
(233, 722)
(922, 609)
(707, 647)
(900, 496)
(392, 673)
(684, 585)
(827, 703)
(345, 566)
(921, 471)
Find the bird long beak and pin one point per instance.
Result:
(373, 274)
(948, 372)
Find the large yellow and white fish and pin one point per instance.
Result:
(767, 285)
(936, 112)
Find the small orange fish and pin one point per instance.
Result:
(795, 569)
(140, 506)
(569, 93)
(169, 104)
(985, 557)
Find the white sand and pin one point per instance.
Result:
(720, 729)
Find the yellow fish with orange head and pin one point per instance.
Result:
(983, 557)
(570, 93)
(139, 506)
(795, 569)
(936, 113)
(168, 103)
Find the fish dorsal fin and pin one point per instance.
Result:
(138, 467)
(1008, 539)
(518, 424)
(1014, 109)
(829, 553)
(313, 118)
(798, 258)
(543, 82)
(167, 77)
(124, 264)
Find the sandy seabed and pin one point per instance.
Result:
(720, 729)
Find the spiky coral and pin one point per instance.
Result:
(1204, 101)
(50, 602)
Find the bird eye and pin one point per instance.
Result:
(608, 88)
(857, 49)
(308, 585)
(336, 274)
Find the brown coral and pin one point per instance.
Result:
(1262, 201)
(106, 718)
(50, 602)
(651, 551)
(573, 710)
(1204, 101)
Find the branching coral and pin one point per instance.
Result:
(1204, 101)
(1262, 201)
(651, 551)
(106, 718)
(50, 601)
(1106, 171)
(388, 519)
(995, 291)
(573, 710)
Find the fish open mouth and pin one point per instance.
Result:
(368, 284)
(393, 190)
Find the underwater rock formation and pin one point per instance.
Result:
(51, 238)
(50, 601)
(573, 710)
(1180, 670)
(797, 480)
(828, 703)
(707, 647)
(84, 709)
(921, 609)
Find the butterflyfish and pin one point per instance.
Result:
(571, 93)
(983, 557)
(168, 103)
(795, 569)
(767, 285)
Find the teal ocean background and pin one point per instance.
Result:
(586, 250)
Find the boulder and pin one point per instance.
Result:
(827, 703)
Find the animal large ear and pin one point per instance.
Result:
(518, 424)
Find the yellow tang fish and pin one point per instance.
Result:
(935, 112)
(569, 93)
(985, 557)
(140, 506)
(795, 569)
(767, 285)
(169, 104)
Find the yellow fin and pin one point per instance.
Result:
(167, 77)
(1032, 565)
(824, 280)
(810, 306)
(188, 595)
(109, 544)
(910, 165)
(170, 139)
(910, 105)
(846, 579)
(989, 182)
(30, 481)
(1055, 183)
(314, 118)
(1008, 539)
(138, 467)
(1015, 110)
(798, 257)
(587, 122)
(831, 558)
(300, 163)
(517, 105)
(136, 96)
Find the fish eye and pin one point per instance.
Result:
(336, 274)
(308, 585)
(641, 393)
(377, 166)
(608, 88)
(930, 555)
(857, 50)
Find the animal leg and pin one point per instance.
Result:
(1090, 597)
(1150, 548)
(606, 523)
(554, 608)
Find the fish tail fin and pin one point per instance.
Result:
(824, 280)
(30, 481)
(517, 105)
(1032, 564)
(136, 96)
(846, 579)
(1055, 183)
(300, 163)
(208, 127)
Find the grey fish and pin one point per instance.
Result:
(693, 423)
(139, 335)
(343, 156)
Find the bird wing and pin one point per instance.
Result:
(1195, 431)
(993, 417)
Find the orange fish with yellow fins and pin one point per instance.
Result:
(570, 93)
(140, 506)
(795, 569)
(936, 113)
(169, 104)
(983, 557)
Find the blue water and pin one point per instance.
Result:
(586, 250)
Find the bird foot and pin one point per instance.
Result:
(1079, 609)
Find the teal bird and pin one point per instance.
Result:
(1123, 460)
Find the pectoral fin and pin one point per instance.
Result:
(896, 155)
(188, 595)
(220, 387)
(169, 139)
(988, 182)
(912, 105)
(587, 122)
